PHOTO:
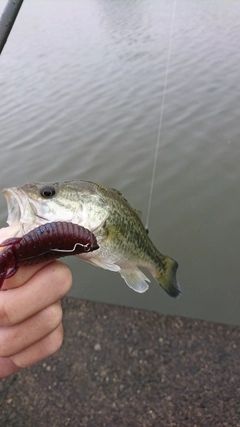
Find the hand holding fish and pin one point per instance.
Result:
(49, 221)
(30, 312)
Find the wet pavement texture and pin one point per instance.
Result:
(125, 367)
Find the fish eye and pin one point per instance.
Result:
(47, 191)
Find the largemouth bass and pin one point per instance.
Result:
(124, 244)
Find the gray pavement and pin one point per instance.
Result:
(125, 367)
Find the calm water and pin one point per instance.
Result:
(80, 95)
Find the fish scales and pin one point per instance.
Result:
(124, 244)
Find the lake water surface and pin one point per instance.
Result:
(81, 86)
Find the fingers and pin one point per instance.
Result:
(43, 289)
(30, 313)
(21, 336)
(24, 273)
(40, 350)
(31, 341)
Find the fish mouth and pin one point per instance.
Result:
(20, 210)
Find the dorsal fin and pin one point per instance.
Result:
(119, 194)
(139, 213)
(117, 191)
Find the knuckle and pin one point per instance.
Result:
(54, 315)
(56, 340)
(63, 276)
(5, 347)
(40, 350)
(5, 315)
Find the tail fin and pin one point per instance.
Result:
(166, 277)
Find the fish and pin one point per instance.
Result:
(124, 244)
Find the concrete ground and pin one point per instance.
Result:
(127, 367)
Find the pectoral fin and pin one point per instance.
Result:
(135, 279)
(102, 263)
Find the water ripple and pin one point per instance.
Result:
(81, 88)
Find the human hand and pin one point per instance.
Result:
(30, 312)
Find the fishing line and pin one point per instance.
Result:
(161, 112)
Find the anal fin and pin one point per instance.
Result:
(135, 279)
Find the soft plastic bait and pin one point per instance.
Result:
(46, 242)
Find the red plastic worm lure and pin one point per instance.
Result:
(46, 242)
